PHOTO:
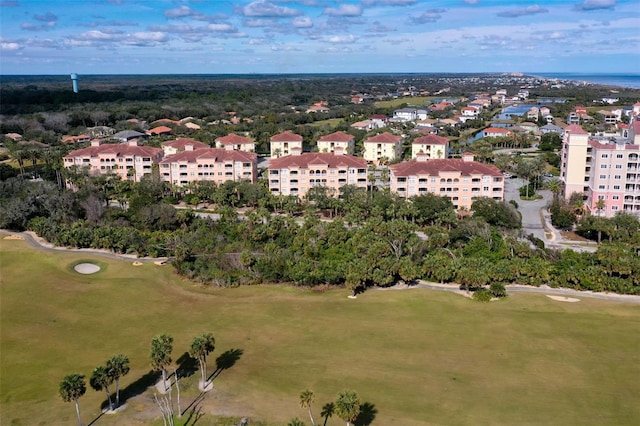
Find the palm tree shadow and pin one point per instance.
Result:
(367, 414)
(139, 386)
(187, 365)
(225, 361)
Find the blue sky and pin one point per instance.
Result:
(318, 36)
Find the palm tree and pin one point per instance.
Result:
(201, 346)
(600, 205)
(20, 156)
(118, 366)
(555, 186)
(161, 347)
(348, 406)
(327, 411)
(306, 398)
(101, 379)
(72, 387)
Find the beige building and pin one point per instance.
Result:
(462, 180)
(182, 144)
(383, 147)
(574, 159)
(209, 164)
(236, 143)
(127, 160)
(433, 146)
(283, 143)
(296, 174)
(337, 141)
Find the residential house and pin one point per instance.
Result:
(430, 146)
(422, 114)
(495, 132)
(83, 138)
(127, 160)
(100, 131)
(469, 113)
(318, 107)
(209, 164)
(128, 135)
(382, 148)
(236, 142)
(529, 127)
(283, 143)
(338, 142)
(362, 125)
(379, 120)
(405, 114)
(547, 128)
(182, 144)
(462, 180)
(533, 113)
(297, 174)
(160, 130)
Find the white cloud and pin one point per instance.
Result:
(344, 10)
(389, 2)
(180, 12)
(47, 17)
(257, 41)
(596, 4)
(342, 39)
(428, 16)
(10, 46)
(302, 22)
(529, 10)
(266, 9)
(222, 28)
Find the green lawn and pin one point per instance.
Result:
(414, 100)
(330, 122)
(420, 357)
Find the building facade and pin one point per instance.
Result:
(462, 180)
(383, 147)
(297, 174)
(336, 142)
(127, 160)
(283, 143)
(209, 164)
(236, 143)
(433, 146)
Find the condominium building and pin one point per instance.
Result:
(462, 180)
(127, 160)
(236, 142)
(337, 141)
(283, 143)
(182, 144)
(209, 164)
(296, 174)
(603, 168)
(383, 147)
(433, 146)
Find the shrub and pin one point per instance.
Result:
(482, 295)
(497, 290)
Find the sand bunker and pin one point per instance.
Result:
(136, 263)
(86, 268)
(563, 299)
(14, 237)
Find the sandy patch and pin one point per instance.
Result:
(137, 263)
(163, 388)
(205, 387)
(160, 262)
(562, 298)
(14, 237)
(86, 268)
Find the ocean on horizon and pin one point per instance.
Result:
(620, 80)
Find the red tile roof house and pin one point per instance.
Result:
(209, 164)
(462, 180)
(282, 144)
(160, 130)
(494, 132)
(296, 174)
(432, 146)
(236, 142)
(127, 160)
(182, 144)
(384, 147)
(337, 141)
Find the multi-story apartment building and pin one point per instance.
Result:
(209, 164)
(283, 143)
(296, 174)
(182, 144)
(236, 143)
(433, 146)
(336, 142)
(606, 169)
(383, 147)
(127, 160)
(462, 180)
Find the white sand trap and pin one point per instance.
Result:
(563, 299)
(136, 263)
(86, 268)
(14, 237)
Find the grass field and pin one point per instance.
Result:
(414, 100)
(419, 357)
(330, 122)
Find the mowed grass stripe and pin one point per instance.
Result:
(421, 357)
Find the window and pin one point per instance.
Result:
(603, 166)
(618, 155)
(605, 155)
(618, 166)
(616, 197)
(600, 186)
(485, 188)
(617, 177)
(614, 208)
(616, 186)
(603, 176)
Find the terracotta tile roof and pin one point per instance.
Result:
(216, 154)
(379, 117)
(431, 140)
(303, 161)
(181, 143)
(160, 129)
(337, 137)
(286, 136)
(434, 167)
(118, 150)
(385, 137)
(166, 120)
(576, 129)
(234, 139)
(496, 130)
